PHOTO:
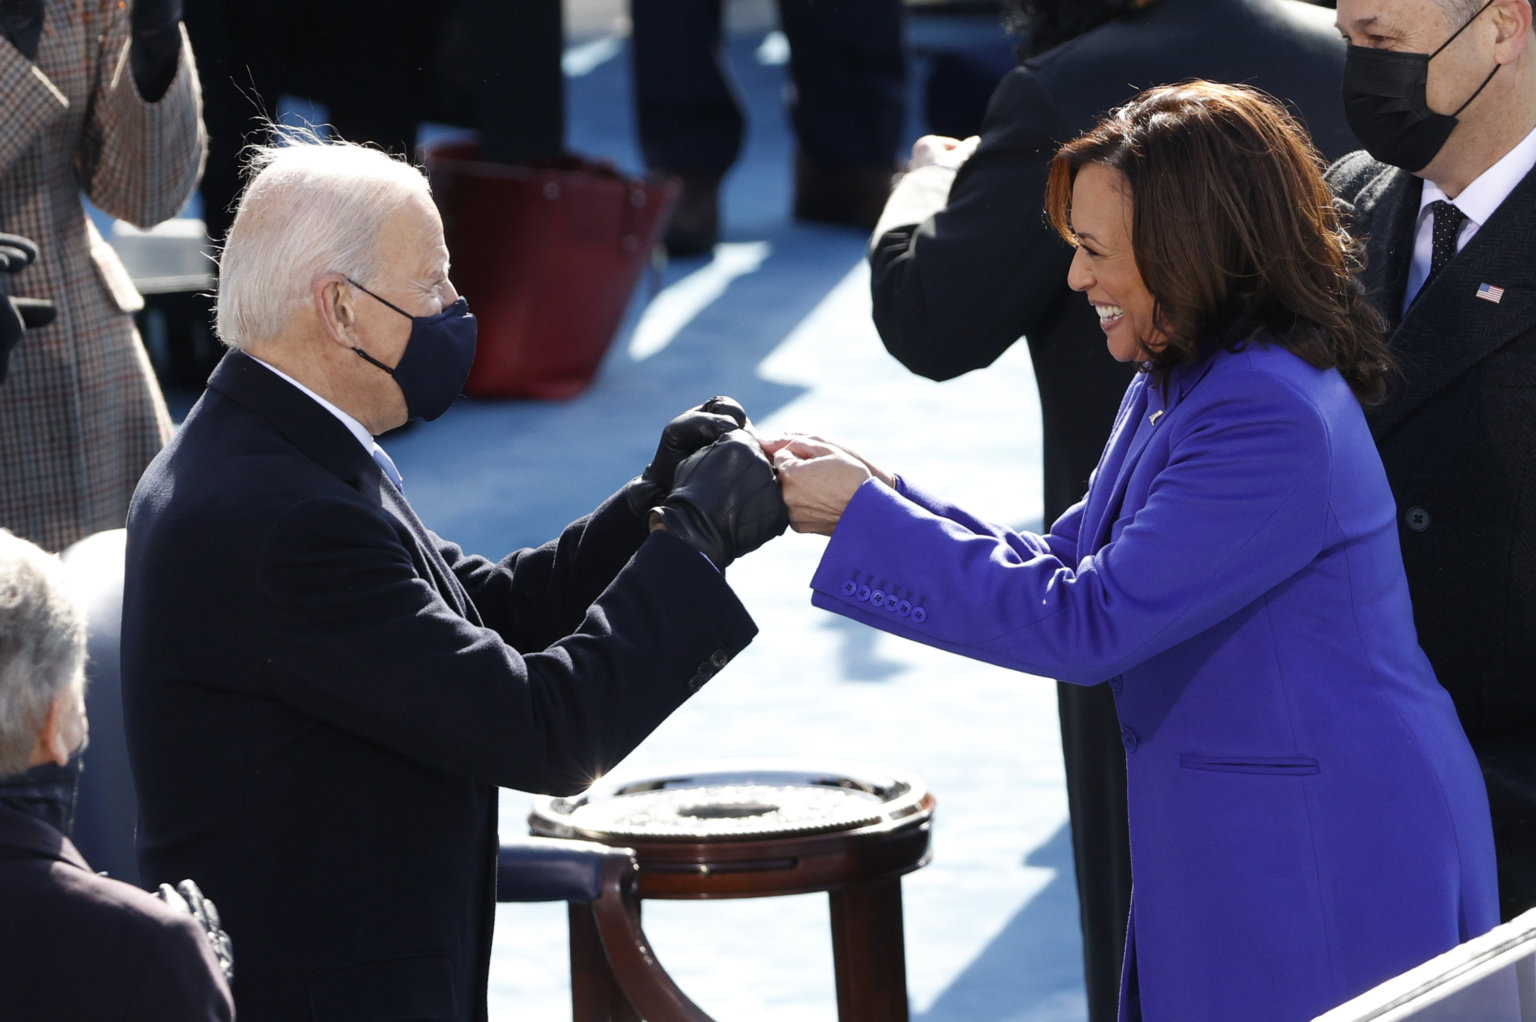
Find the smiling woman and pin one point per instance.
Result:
(1307, 817)
(1104, 266)
(1208, 224)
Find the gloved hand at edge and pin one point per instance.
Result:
(17, 315)
(21, 22)
(188, 896)
(155, 49)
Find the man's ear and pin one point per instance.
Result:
(335, 304)
(1513, 18)
(54, 740)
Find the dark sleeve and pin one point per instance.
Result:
(358, 639)
(534, 597)
(953, 290)
(180, 979)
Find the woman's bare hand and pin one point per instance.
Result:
(818, 479)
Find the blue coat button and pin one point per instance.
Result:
(904, 608)
(1129, 738)
(1417, 518)
(919, 615)
(876, 598)
(863, 594)
(850, 587)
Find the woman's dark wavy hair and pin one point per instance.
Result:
(1233, 230)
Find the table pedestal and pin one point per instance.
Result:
(761, 830)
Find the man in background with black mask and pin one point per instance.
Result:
(1442, 94)
(74, 945)
(321, 695)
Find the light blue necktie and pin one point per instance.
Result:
(387, 466)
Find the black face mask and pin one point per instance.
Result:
(46, 792)
(1386, 104)
(437, 358)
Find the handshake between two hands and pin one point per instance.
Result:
(723, 488)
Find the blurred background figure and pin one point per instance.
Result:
(380, 69)
(963, 265)
(141, 958)
(102, 98)
(554, 243)
(847, 104)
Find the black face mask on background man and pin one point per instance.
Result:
(1387, 107)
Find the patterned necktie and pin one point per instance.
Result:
(1447, 225)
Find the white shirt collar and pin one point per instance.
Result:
(1490, 188)
(1479, 200)
(357, 429)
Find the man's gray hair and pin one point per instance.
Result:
(1459, 12)
(42, 645)
(313, 206)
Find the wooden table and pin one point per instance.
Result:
(764, 828)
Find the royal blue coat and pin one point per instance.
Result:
(1307, 818)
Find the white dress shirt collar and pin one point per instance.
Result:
(357, 429)
(1490, 188)
(1478, 201)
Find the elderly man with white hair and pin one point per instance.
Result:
(73, 945)
(322, 695)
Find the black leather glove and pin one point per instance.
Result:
(18, 314)
(156, 46)
(16, 252)
(694, 429)
(186, 895)
(725, 500)
(21, 22)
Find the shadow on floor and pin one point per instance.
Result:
(1028, 972)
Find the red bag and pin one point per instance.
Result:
(548, 256)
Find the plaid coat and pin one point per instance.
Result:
(81, 413)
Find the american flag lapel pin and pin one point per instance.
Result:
(1489, 293)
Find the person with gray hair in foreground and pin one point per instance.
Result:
(322, 695)
(74, 945)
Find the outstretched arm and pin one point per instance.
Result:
(360, 640)
(1239, 506)
(962, 263)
